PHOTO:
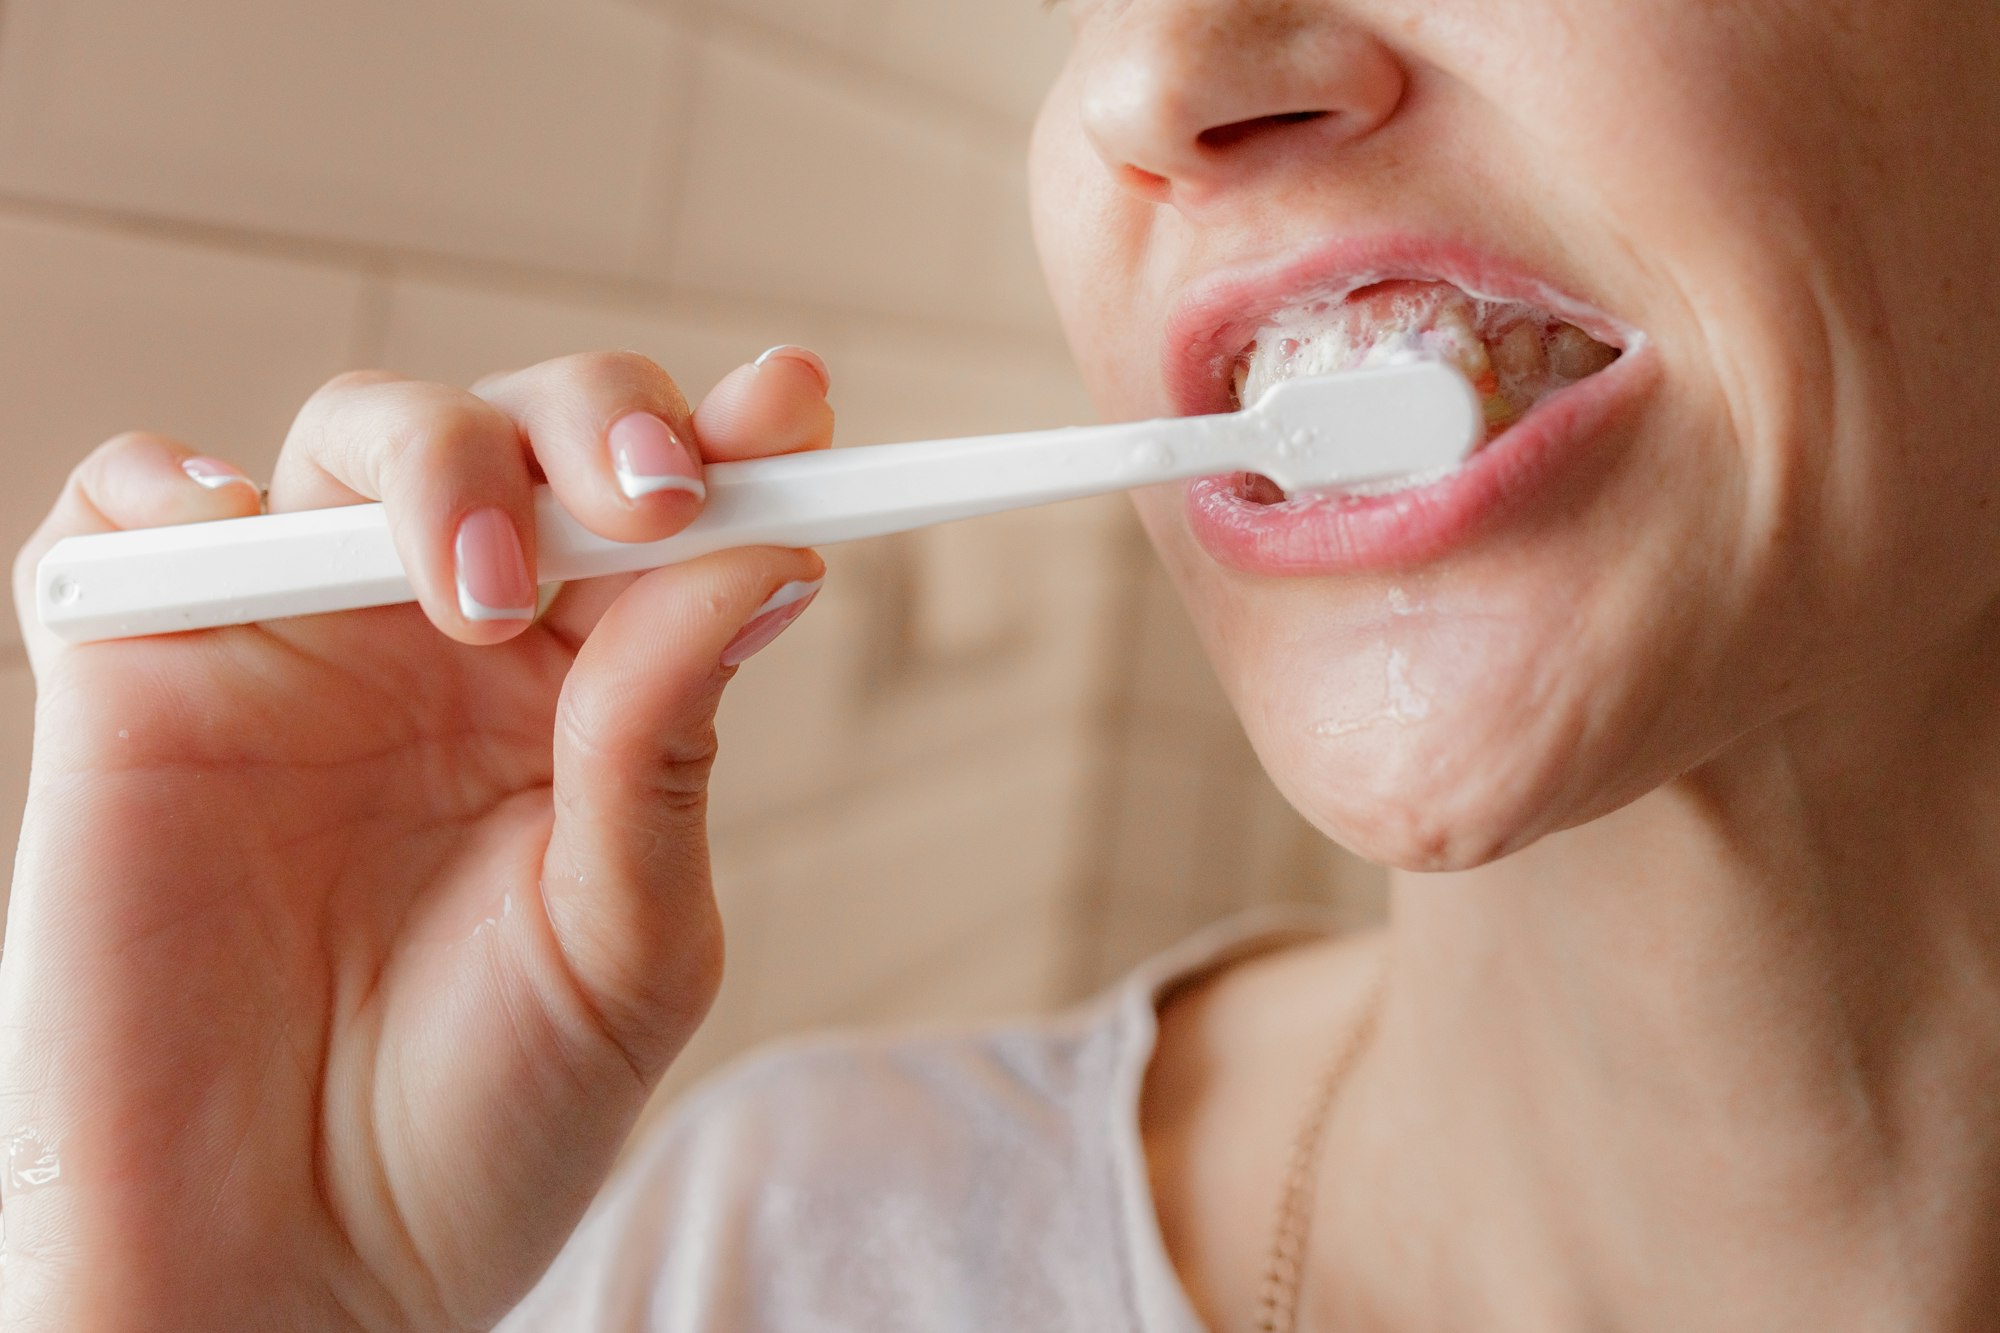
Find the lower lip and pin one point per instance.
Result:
(1544, 454)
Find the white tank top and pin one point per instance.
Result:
(978, 1181)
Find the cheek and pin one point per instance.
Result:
(1439, 720)
(1094, 244)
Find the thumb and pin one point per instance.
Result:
(626, 877)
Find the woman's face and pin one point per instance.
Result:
(1781, 216)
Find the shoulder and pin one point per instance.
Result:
(866, 1182)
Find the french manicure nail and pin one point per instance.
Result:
(770, 620)
(493, 578)
(214, 473)
(805, 356)
(649, 458)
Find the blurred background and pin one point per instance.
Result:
(990, 770)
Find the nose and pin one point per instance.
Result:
(1184, 99)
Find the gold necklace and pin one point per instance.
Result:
(1278, 1297)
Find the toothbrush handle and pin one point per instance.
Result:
(239, 571)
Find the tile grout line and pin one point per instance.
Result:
(632, 293)
(369, 335)
(664, 205)
(989, 123)
(925, 971)
(1012, 734)
(1113, 727)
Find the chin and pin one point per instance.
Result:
(1418, 798)
(1422, 742)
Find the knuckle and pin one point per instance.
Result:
(454, 423)
(618, 365)
(115, 454)
(622, 370)
(317, 425)
(351, 381)
(494, 382)
(89, 478)
(684, 764)
(120, 445)
(676, 770)
(432, 425)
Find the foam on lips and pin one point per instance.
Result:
(1514, 354)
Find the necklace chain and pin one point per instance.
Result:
(1284, 1273)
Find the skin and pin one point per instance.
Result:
(343, 952)
(1691, 1015)
(1691, 1001)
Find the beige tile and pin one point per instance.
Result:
(898, 386)
(1294, 862)
(1009, 269)
(922, 706)
(1172, 676)
(107, 333)
(831, 23)
(1001, 54)
(926, 643)
(906, 659)
(458, 333)
(791, 726)
(800, 187)
(868, 888)
(969, 600)
(1176, 845)
(1034, 582)
(1014, 970)
(1011, 972)
(521, 129)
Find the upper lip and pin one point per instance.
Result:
(1219, 313)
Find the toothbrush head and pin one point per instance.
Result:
(1376, 429)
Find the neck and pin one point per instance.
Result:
(1727, 1058)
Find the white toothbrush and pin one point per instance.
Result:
(1364, 427)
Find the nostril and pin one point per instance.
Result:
(1228, 136)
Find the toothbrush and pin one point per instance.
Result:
(1365, 427)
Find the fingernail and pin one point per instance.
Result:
(804, 355)
(649, 457)
(214, 473)
(770, 620)
(493, 578)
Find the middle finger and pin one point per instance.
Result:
(611, 433)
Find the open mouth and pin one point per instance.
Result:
(1516, 355)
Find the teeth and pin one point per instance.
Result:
(1575, 355)
(1522, 353)
(1513, 354)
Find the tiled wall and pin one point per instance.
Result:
(938, 790)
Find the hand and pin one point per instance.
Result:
(343, 952)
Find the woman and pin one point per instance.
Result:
(331, 986)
